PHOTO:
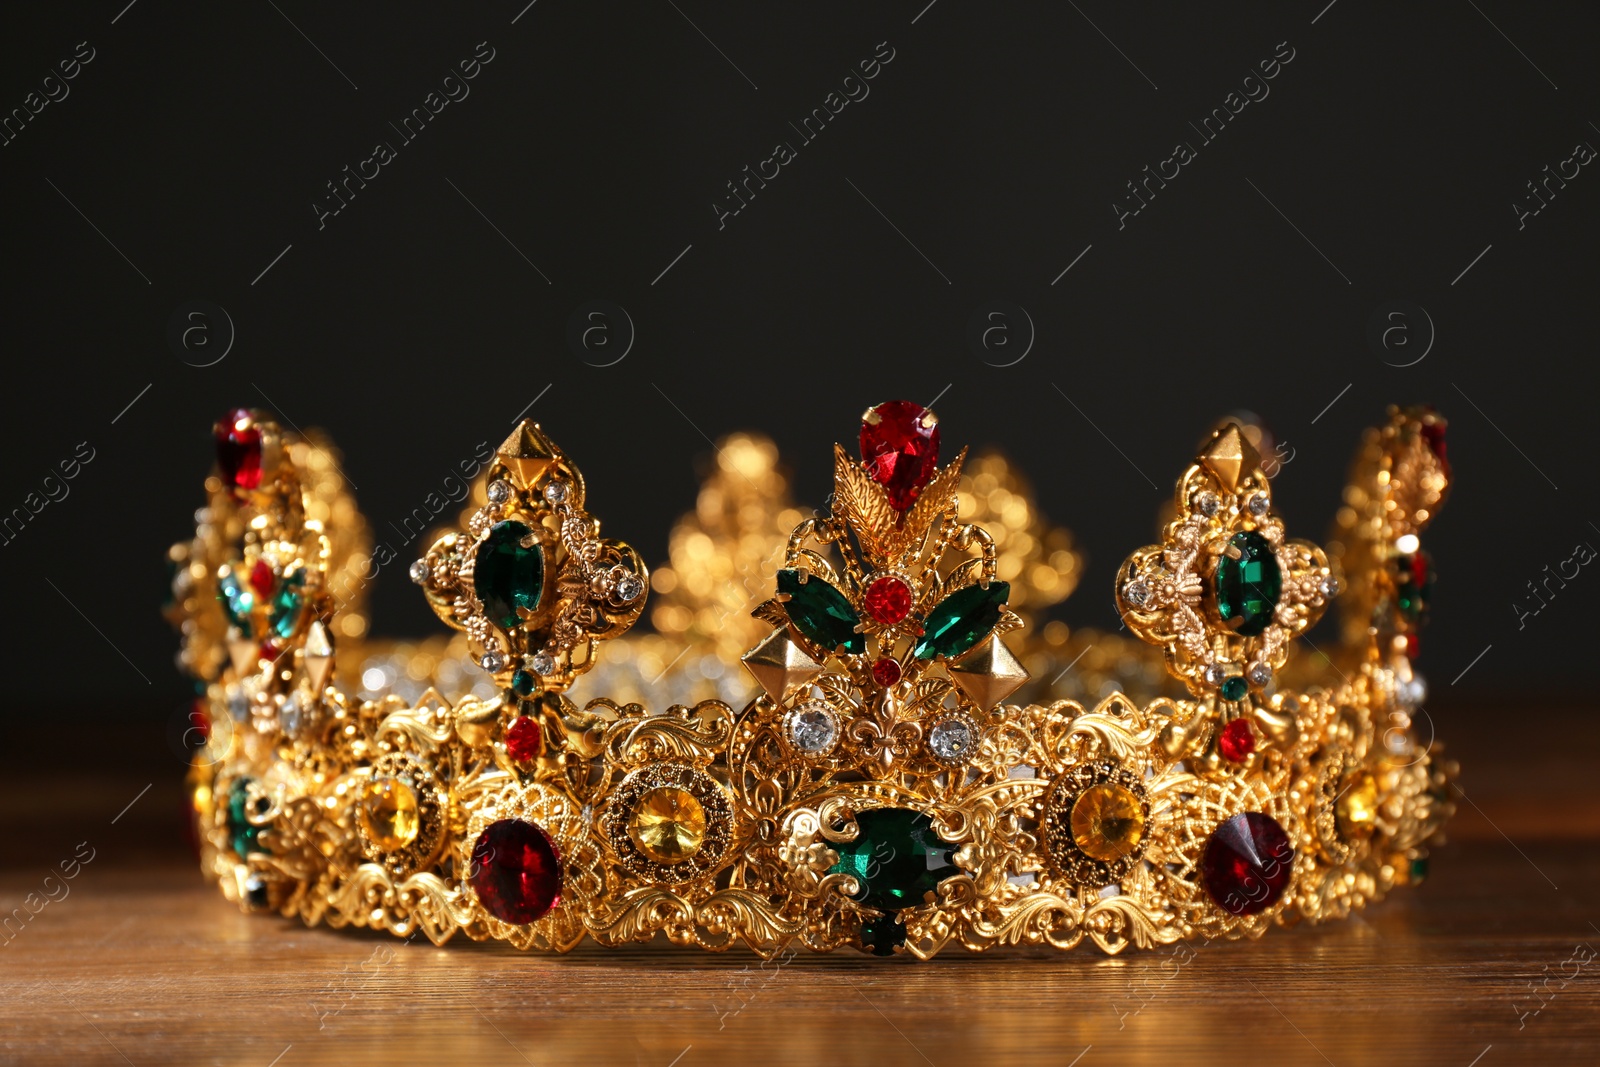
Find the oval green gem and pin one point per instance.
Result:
(961, 620)
(897, 858)
(507, 574)
(244, 837)
(287, 603)
(821, 612)
(1248, 583)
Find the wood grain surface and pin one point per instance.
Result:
(1493, 961)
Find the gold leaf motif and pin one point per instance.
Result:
(863, 504)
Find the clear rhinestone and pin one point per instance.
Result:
(419, 571)
(541, 663)
(555, 493)
(1206, 503)
(1258, 504)
(238, 705)
(629, 588)
(951, 739)
(289, 718)
(1260, 674)
(202, 516)
(1411, 694)
(813, 728)
(1331, 587)
(492, 661)
(499, 492)
(1137, 593)
(1215, 673)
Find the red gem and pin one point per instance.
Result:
(900, 446)
(239, 449)
(524, 740)
(515, 871)
(1413, 645)
(1247, 863)
(1433, 434)
(200, 722)
(888, 600)
(269, 650)
(886, 672)
(1417, 563)
(262, 578)
(1237, 741)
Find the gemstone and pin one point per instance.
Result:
(1413, 584)
(515, 871)
(238, 600)
(1419, 870)
(961, 620)
(821, 612)
(1356, 810)
(286, 606)
(255, 893)
(389, 813)
(491, 661)
(291, 714)
(524, 739)
(900, 447)
(1331, 587)
(886, 672)
(1236, 741)
(1137, 593)
(1247, 583)
(897, 858)
(507, 575)
(242, 835)
(555, 493)
(1235, 688)
(1259, 674)
(630, 587)
(668, 825)
(1247, 863)
(499, 492)
(814, 728)
(522, 683)
(239, 450)
(1433, 435)
(1107, 822)
(883, 935)
(1206, 503)
(1413, 645)
(262, 579)
(1214, 673)
(951, 739)
(419, 571)
(1258, 504)
(887, 600)
(542, 663)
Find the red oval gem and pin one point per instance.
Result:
(886, 672)
(239, 449)
(1247, 863)
(887, 600)
(524, 740)
(515, 871)
(900, 447)
(1237, 741)
(262, 578)
(1413, 645)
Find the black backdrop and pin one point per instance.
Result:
(181, 167)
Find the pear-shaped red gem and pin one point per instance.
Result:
(900, 448)
(239, 450)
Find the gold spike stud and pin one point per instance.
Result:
(1231, 457)
(245, 654)
(779, 665)
(318, 655)
(527, 452)
(989, 673)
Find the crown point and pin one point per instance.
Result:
(989, 673)
(318, 654)
(780, 665)
(900, 449)
(1230, 457)
(527, 452)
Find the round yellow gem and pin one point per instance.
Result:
(668, 825)
(389, 814)
(1356, 810)
(1107, 822)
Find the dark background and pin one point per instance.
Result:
(415, 323)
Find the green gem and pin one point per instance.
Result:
(1414, 584)
(961, 620)
(821, 612)
(522, 683)
(1234, 688)
(286, 604)
(238, 599)
(897, 858)
(243, 836)
(1419, 870)
(1248, 586)
(507, 575)
(883, 935)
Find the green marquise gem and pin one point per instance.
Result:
(961, 620)
(897, 858)
(507, 575)
(286, 604)
(238, 599)
(241, 834)
(821, 612)
(1248, 583)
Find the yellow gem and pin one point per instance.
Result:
(1356, 810)
(669, 824)
(389, 814)
(1107, 822)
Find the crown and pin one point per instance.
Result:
(914, 761)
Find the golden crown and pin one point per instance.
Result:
(909, 767)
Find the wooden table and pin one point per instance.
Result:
(1493, 961)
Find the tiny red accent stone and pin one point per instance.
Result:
(269, 650)
(515, 871)
(1247, 863)
(1413, 645)
(1418, 564)
(199, 721)
(899, 451)
(524, 740)
(239, 449)
(888, 600)
(886, 672)
(1237, 741)
(262, 578)
(1433, 434)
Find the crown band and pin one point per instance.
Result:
(911, 772)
